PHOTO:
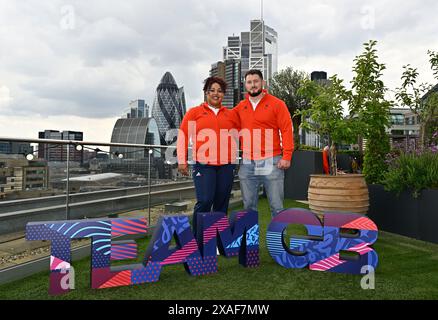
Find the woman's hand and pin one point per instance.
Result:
(183, 169)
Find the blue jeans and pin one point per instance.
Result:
(254, 173)
(213, 186)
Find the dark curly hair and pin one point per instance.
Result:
(211, 80)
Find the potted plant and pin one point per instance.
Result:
(336, 191)
(368, 117)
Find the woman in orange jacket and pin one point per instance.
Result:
(213, 130)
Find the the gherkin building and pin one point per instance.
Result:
(169, 108)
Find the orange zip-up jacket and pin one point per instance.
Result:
(210, 146)
(271, 113)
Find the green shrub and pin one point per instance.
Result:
(374, 165)
(412, 171)
(308, 148)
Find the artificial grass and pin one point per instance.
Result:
(407, 270)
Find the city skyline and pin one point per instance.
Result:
(77, 66)
(253, 49)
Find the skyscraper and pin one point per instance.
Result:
(254, 49)
(318, 75)
(233, 48)
(260, 49)
(229, 70)
(169, 107)
(136, 109)
(218, 70)
(182, 98)
(233, 78)
(245, 53)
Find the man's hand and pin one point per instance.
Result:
(183, 169)
(283, 164)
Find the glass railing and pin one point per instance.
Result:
(70, 180)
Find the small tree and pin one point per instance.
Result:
(419, 98)
(285, 85)
(370, 110)
(325, 114)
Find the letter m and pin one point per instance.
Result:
(239, 237)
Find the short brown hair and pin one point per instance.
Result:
(254, 71)
(211, 80)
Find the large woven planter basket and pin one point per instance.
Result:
(341, 193)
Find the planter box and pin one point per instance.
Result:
(428, 215)
(297, 177)
(405, 215)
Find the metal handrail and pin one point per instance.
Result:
(80, 142)
(90, 143)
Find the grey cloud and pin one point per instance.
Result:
(119, 51)
(336, 27)
(108, 39)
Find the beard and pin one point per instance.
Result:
(255, 94)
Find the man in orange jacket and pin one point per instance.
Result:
(267, 143)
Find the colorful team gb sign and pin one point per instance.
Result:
(320, 250)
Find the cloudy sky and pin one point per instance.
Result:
(74, 65)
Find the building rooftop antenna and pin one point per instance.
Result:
(261, 10)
